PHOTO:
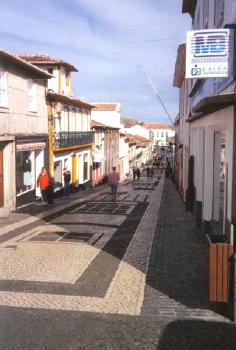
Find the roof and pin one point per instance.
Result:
(129, 122)
(141, 139)
(97, 125)
(107, 106)
(39, 59)
(22, 64)
(136, 139)
(158, 126)
(180, 66)
(54, 97)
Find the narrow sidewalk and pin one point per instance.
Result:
(177, 276)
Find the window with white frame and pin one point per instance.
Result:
(80, 121)
(85, 121)
(3, 89)
(72, 120)
(65, 119)
(31, 95)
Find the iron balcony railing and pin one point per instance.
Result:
(73, 138)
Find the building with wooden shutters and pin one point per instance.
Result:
(23, 130)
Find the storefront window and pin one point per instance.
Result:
(25, 179)
(219, 182)
(57, 173)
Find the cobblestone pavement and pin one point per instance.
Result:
(94, 274)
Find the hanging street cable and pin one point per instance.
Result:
(160, 100)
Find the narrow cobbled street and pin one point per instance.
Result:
(90, 273)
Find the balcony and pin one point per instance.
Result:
(73, 138)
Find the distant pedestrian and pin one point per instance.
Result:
(43, 184)
(168, 169)
(113, 180)
(148, 171)
(152, 171)
(138, 173)
(67, 179)
(134, 173)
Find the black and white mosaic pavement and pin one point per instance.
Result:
(109, 275)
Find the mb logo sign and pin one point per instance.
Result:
(208, 53)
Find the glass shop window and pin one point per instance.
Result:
(57, 173)
(219, 182)
(25, 179)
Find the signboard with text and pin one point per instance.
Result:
(209, 53)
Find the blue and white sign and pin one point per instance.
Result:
(209, 53)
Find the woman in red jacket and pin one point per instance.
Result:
(43, 183)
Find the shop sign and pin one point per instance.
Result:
(30, 146)
(209, 53)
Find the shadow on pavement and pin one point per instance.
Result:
(178, 262)
(198, 335)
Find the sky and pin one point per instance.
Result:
(116, 45)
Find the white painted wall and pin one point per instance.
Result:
(218, 121)
(110, 118)
(138, 130)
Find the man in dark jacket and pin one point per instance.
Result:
(67, 179)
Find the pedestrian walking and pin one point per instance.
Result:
(138, 173)
(152, 171)
(168, 169)
(43, 184)
(113, 180)
(148, 171)
(134, 173)
(67, 179)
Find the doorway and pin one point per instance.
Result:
(1, 178)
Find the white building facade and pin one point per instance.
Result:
(210, 138)
(161, 133)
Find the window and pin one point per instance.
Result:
(3, 89)
(25, 178)
(31, 95)
(57, 169)
(157, 134)
(65, 120)
(80, 121)
(85, 121)
(67, 74)
(219, 13)
(166, 133)
(162, 134)
(219, 181)
(73, 117)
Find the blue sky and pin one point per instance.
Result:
(116, 44)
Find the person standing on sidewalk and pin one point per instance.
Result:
(113, 180)
(43, 183)
(67, 178)
(138, 173)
